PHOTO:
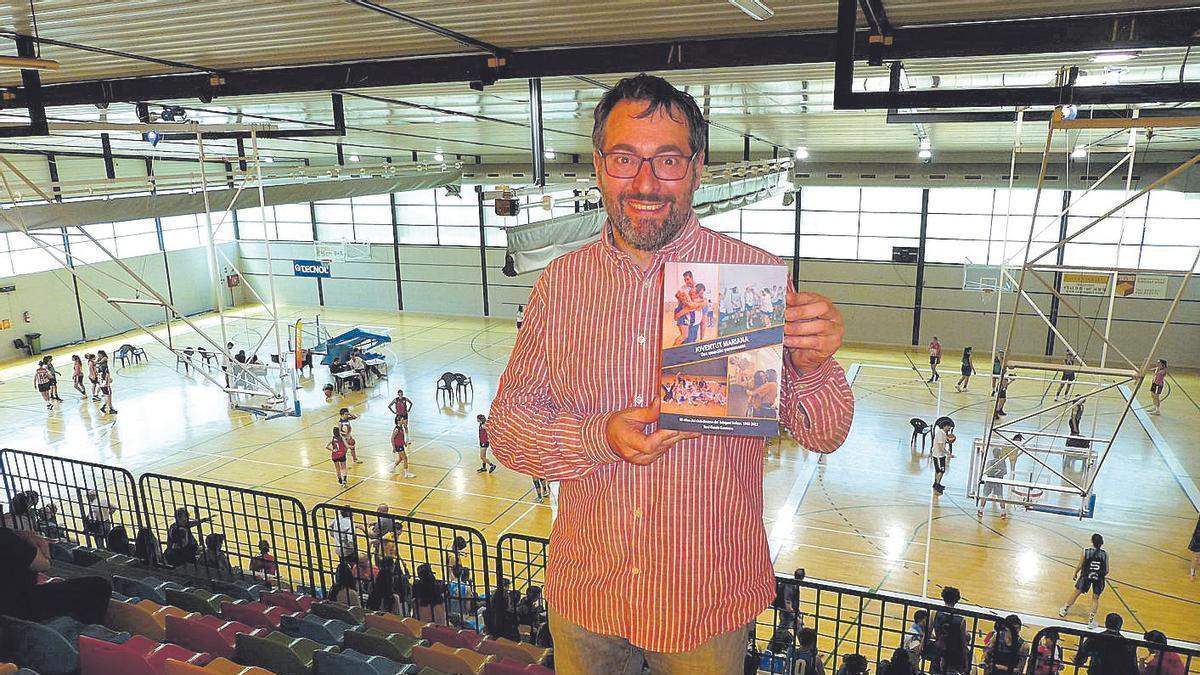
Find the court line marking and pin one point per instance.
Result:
(1164, 450)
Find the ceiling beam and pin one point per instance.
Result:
(1166, 28)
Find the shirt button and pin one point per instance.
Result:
(641, 339)
(638, 400)
(635, 571)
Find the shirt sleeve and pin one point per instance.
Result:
(530, 431)
(816, 407)
(16, 554)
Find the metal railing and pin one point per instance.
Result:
(246, 518)
(68, 498)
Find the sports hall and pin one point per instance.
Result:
(182, 182)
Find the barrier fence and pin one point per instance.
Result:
(313, 550)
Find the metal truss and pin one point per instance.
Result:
(1017, 434)
(241, 382)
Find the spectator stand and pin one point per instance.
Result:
(243, 516)
(522, 559)
(410, 541)
(65, 483)
(1071, 638)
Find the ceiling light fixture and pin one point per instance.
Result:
(438, 156)
(353, 158)
(550, 153)
(27, 64)
(755, 9)
(268, 159)
(1080, 152)
(802, 152)
(925, 153)
(1114, 57)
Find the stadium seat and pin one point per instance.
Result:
(429, 671)
(238, 590)
(138, 588)
(210, 634)
(339, 611)
(452, 637)
(38, 647)
(62, 551)
(350, 662)
(254, 614)
(278, 653)
(71, 628)
(510, 667)
(516, 651)
(8, 668)
(218, 666)
(195, 600)
(450, 660)
(388, 623)
(395, 646)
(137, 656)
(325, 631)
(137, 619)
(289, 601)
(84, 557)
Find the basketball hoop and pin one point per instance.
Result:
(986, 293)
(1028, 495)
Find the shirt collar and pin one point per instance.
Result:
(678, 248)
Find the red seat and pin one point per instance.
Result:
(253, 614)
(289, 601)
(206, 633)
(139, 655)
(465, 639)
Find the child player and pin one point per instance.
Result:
(399, 442)
(337, 453)
(485, 463)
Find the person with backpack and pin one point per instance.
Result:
(1090, 574)
(1004, 650)
(952, 650)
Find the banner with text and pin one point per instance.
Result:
(311, 268)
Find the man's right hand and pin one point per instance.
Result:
(627, 438)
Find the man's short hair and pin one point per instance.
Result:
(951, 596)
(658, 94)
(806, 637)
(1113, 621)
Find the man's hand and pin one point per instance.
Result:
(812, 329)
(626, 435)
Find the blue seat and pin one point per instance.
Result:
(71, 628)
(237, 591)
(38, 647)
(336, 627)
(315, 629)
(138, 588)
(62, 552)
(84, 557)
(350, 662)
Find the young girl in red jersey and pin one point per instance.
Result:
(77, 374)
(485, 464)
(337, 453)
(399, 446)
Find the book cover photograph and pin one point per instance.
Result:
(722, 348)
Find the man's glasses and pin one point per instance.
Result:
(626, 165)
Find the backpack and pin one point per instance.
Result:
(950, 640)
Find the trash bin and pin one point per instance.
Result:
(34, 340)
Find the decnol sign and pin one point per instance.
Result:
(311, 268)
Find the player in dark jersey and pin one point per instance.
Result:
(1090, 574)
(485, 464)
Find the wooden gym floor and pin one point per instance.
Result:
(860, 516)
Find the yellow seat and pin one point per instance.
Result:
(218, 666)
(8, 668)
(137, 619)
(388, 623)
(415, 626)
(517, 651)
(450, 660)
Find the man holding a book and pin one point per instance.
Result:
(659, 550)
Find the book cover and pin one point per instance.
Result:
(722, 348)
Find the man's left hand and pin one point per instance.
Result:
(812, 330)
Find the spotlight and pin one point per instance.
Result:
(802, 152)
(925, 154)
(550, 153)
(1114, 57)
(268, 159)
(353, 158)
(438, 156)
(1080, 152)
(151, 137)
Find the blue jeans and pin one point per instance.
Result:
(578, 651)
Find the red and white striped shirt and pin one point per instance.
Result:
(667, 555)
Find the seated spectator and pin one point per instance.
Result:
(364, 572)
(117, 541)
(1049, 655)
(1004, 650)
(240, 357)
(853, 664)
(806, 652)
(22, 511)
(182, 547)
(383, 597)
(531, 611)
(263, 565)
(47, 521)
(1108, 652)
(950, 636)
(345, 583)
(1160, 661)
(899, 664)
(23, 555)
(98, 517)
(147, 548)
(916, 636)
(214, 558)
(429, 596)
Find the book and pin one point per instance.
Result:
(722, 348)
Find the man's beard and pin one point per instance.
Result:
(649, 235)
